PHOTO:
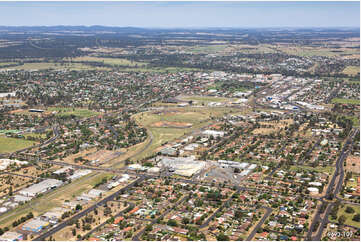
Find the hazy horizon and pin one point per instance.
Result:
(182, 14)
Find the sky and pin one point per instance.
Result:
(182, 14)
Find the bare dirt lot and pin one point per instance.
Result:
(353, 164)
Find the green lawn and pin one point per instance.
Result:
(349, 216)
(8, 145)
(346, 101)
(80, 112)
(354, 119)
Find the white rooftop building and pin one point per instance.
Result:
(40, 187)
(213, 133)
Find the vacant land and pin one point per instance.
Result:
(207, 99)
(13, 144)
(351, 70)
(353, 164)
(316, 51)
(108, 61)
(56, 66)
(15, 182)
(83, 113)
(346, 101)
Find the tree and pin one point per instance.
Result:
(349, 210)
(222, 237)
(342, 219)
(356, 217)
(149, 227)
(78, 207)
(172, 222)
(185, 220)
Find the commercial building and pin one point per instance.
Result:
(213, 133)
(184, 166)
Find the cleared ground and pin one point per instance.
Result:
(353, 164)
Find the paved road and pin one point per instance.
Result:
(205, 224)
(333, 189)
(81, 214)
(139, 234)
(265, 216)
(131, 206)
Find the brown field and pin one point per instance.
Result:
(353, 164)
(102, 155)
(92, 154)
(166, 124)
(83, 153)
(16, 182)
(275, 126)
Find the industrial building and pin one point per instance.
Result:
(35, 225)
(11, 236)
(40, 187)
(78, 174)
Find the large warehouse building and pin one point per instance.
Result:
(40, 187)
